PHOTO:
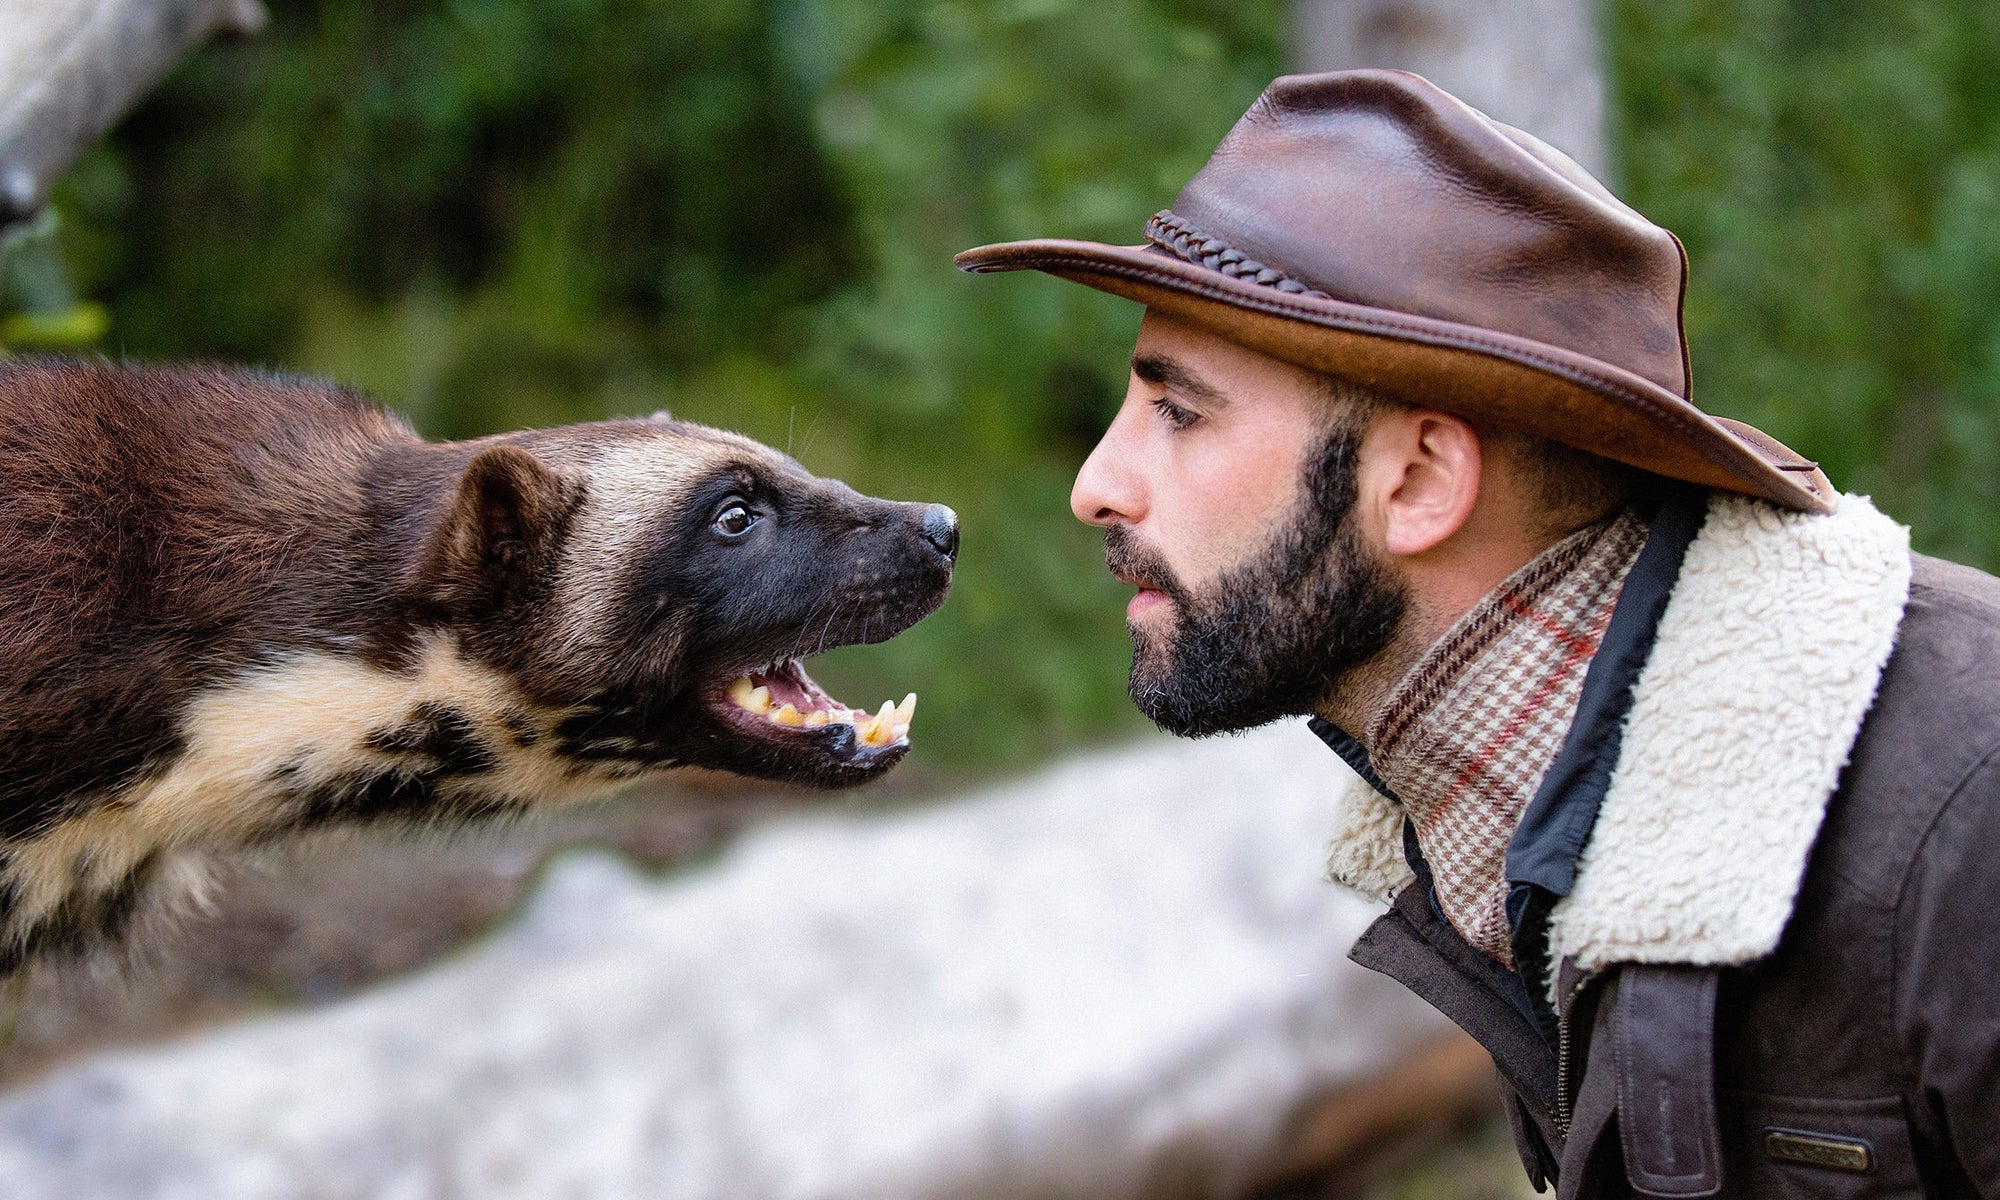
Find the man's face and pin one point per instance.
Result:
(1226, 486)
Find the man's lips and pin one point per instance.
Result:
(1133, 565)
(1146, 601)
(1149, 598)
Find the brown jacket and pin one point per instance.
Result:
(1858, 1055)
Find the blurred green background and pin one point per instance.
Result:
(494, 214)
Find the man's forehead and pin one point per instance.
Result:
(1212, 369)
(1207, 352)
(1162, 369)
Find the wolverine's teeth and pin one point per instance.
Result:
(740, 692)
(879, 729)
(899, 731)
(816, 719)
(906, 710)
(787, 715)
(759, 700)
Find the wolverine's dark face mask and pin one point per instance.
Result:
(767, 566)
(660, 584)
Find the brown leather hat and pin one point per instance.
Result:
(1370, 226)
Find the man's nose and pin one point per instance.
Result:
(1107, 491)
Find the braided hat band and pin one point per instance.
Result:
(1184, 241)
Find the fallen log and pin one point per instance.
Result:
(70, 68)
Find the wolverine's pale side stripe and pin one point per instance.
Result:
(443, 633)
(309, 715)
(1766, 663)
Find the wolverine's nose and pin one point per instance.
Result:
(941, 529)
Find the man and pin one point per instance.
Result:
(1679, 767)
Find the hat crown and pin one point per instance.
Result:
(1378, 188)
(1369, 226)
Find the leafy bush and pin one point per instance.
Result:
(1834, 168)
(493, 214)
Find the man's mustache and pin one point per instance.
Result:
(1137, 563)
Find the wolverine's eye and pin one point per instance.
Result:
(734, 520)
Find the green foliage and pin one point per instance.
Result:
(494, 214)
(39, 306)
(1834, 169)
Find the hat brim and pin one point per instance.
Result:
(1511, 382)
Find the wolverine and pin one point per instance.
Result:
(236, 606)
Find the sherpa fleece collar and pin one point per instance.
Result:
(1765, 663)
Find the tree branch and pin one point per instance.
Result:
(70, 68)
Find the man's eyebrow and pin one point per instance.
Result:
(1161, 371)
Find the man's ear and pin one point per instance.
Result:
(1428, 475)
(504, 520)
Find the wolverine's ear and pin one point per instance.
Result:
(504, 519)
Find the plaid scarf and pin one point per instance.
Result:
(1468, 733)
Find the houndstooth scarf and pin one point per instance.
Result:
(1468, 733)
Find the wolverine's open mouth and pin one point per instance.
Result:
(781, 702)
(876, 570)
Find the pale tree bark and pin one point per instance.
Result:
(1531, 63)
(70, 68)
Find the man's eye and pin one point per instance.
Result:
(1178, 417)
(734, 520)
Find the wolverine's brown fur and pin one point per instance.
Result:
(235, 605)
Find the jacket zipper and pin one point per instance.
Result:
(1562, 1078)
(1563, 1052)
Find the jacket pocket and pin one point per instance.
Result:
(1815, 1149)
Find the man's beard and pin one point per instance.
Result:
(1273, 637)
